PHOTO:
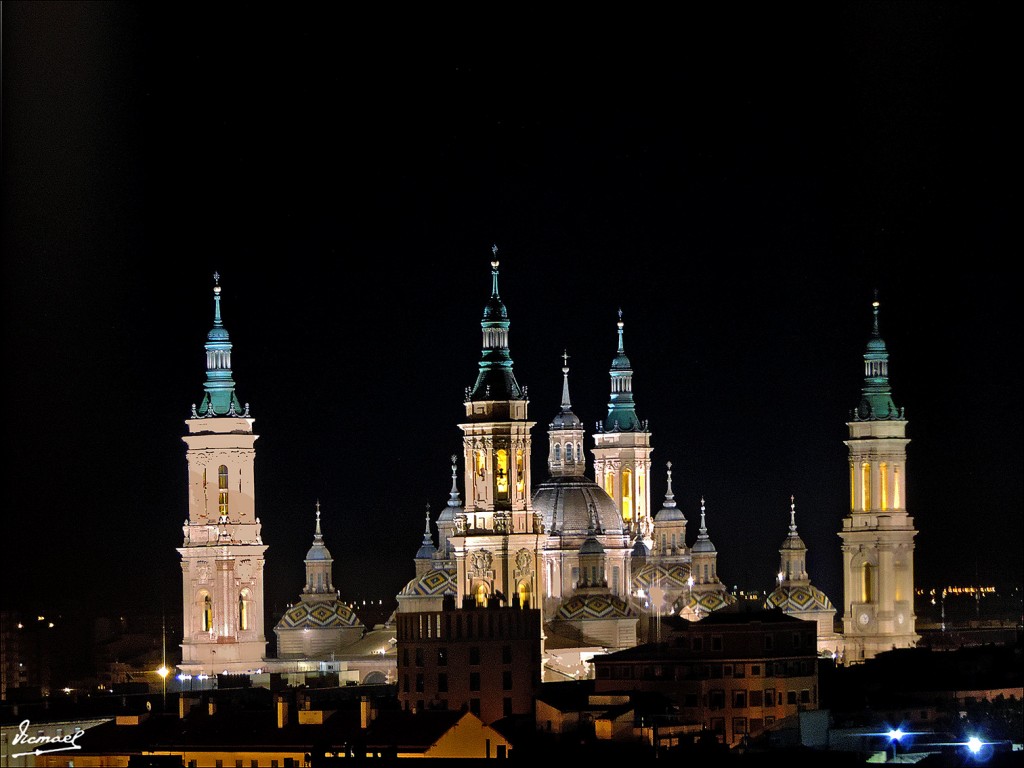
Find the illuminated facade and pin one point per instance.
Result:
(878, 533)
(222, 554)
(622, 449)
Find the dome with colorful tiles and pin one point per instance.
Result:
(671, 578)
(705, 603)
(430, 584)
(327, 614)
(585, 607)
(793, 599)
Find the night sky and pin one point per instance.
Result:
(738, 183)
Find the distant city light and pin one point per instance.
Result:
(974, 744)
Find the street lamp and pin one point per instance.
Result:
(163, 672)
(894, 736)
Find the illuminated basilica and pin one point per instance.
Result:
(594, 556)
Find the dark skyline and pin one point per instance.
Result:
(739, 191)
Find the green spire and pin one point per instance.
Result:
(621, 410)
(495, 381)
(876, 396)
(219, 398)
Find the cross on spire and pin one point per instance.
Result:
(216, 278)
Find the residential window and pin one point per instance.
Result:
(756, 697)
(755, 670)
(739, 699)
(727, 670)
(716, 698)
(741, 670)
(506, 654)
(474, 706)
(442, 657)
(419, 683)
(791, 697)
(805, 696)
(419, 657)
(474, 655)
(506, 681)
(739, 726)
(405, 657)
(442, 683)
(717, 725)
(474, 681)
(769, 697)
(405, 683)
(506, 706)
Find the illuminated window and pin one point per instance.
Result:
(897, 500)
(866, 582)
(885, 485)
(627, 495)
(609, 484)
(501, 474)
(853, 491)
(481, 595)
(243, 610)
(520, 473)
(207, 617)
(865, 486)
(222, 495)
(481, 464)
(524, 594)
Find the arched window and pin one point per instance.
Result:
(222, 490)
(884, 470)
(501, 473)
(568, 452)
(867, 583)
(627, 495)
(243, 610)
(865, 487)
(897, 498)
(558, 452)
(524, 594)
(853, 487)
(520, 473)
(206, 604)
(481, 595)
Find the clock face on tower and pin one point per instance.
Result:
(864, 619)
(899, 618)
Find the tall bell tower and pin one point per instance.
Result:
(222, 555)
(878, 533)
(498, 537)
(622, 450)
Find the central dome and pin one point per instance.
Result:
(566, 506)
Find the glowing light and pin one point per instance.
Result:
(974, 744)
(163, 672)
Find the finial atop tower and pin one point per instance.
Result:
(494, 254)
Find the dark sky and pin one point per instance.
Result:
(737, 182)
